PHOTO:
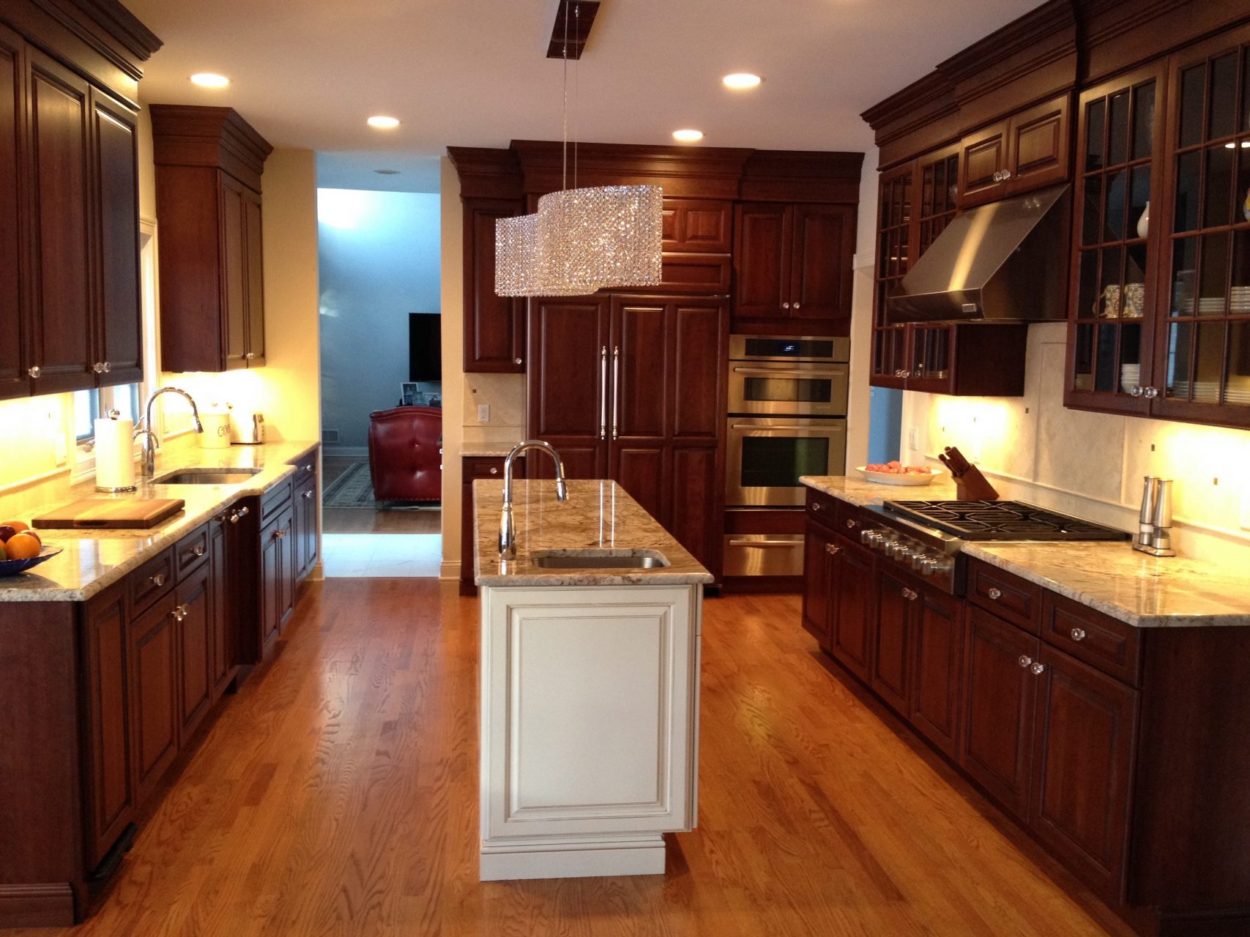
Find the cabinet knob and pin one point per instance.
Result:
(197, 551)
(910, 594)
(244, 511)
(995, 593)
(98, 367)
(34, 372)
(308, 494)
(785, 305)
(250, 355)
(494, 470)
(1077, 634)
(817, 506)
(831, 549)
(1150, 393)
(1036, 669)
(517, 361)
(794, 306)
(851, 523)
(1024, 660)
(108, 366)
(1136, 390)
(157, 580)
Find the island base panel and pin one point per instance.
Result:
(635, 855)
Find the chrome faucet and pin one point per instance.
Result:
(150, 442)
(507, 530)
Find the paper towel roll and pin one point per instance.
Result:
(114, 455)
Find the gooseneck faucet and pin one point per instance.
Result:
(150, 442)
(507, 529)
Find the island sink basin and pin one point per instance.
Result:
(599, 559)
(206, 476)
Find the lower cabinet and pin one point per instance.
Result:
(304, 517)
(277, 576)
(193, 613)
(154, 692)
(837, 596)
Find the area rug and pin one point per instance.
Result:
(354, 489)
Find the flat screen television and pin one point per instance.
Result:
(425, 361)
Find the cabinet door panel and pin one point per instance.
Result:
(938, 639)
(1039, 146)
(697, 225)
(494, 326)
(111, 790)
(13, 379)
(234, 269)
(700, 328)
(639, 365)
(570, 368)
(824, 240)
(759, 259)
(195, 648)
(891, 659)
(255, 278)
(154, 693)
(120, 342)
(999, 694)
(852, 601)
(817, 583)
(639, 469)
(59, 187)
(695, 515)
(1086, 724)
(224, 622)
(984, 155)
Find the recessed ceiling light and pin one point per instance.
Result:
(209, 80)
(387, 172)
(741, 81)
(688, 135)
(382, 122)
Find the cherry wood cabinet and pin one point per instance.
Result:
(697, 225)
(304, 518)
(494, 326)
(209, 163)
(193, 613)
(154, 692)
(630, 388)
(226, 584)
(937, 668)
(13, 318)
(818, 556)
(277, 572)
(1026, 151)
(793, 261)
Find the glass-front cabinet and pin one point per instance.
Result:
(1159, 312)
(895, 237)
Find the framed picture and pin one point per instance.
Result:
(408, 393)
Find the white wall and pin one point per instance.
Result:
(379, 261)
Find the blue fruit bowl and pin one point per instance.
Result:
(13, 567)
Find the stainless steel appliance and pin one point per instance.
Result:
(764, 457)
(763, 555)
(772, 375)
(926, 536)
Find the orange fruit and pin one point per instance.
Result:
(19, 526)
(23, 546)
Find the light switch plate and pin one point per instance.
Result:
(483, 413)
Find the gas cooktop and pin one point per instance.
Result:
(1000, 520)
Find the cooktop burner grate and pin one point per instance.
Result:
(1000, 520)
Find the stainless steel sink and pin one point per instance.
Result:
(206, 476)
(599, 559)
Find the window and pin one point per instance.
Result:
(89, 404)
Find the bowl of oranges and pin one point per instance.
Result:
(21, 548)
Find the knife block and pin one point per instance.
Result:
(973, 486)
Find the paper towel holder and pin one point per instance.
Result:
(120, 489)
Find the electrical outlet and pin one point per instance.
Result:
(483, 413)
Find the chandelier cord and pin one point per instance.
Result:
(564, 117)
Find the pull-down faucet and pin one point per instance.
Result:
(150, 442)
(507, 530)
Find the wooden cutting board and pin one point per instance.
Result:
(111, 513)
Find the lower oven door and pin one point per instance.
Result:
(766, 455)
(763, 554)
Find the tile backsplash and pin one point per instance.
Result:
(1090, 464)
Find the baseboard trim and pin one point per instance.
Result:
(43, 904)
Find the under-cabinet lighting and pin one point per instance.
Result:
(209, 80)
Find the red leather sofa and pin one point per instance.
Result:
(405, 454)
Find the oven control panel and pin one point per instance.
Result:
(912, 554)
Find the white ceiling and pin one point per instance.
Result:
(306, 73)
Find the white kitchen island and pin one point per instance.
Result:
(589, 685)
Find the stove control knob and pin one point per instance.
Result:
(943, 566)
(918, 561)
(869, 537)
(929, 564)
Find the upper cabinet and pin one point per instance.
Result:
(1027, 151)
(69, 213)
(208, 201)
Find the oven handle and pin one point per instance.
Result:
(768, 429)
(797, 372)
(765, 544)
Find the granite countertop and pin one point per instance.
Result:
(486, 450)
(1140, 590)
(93, 559)
(598, 515)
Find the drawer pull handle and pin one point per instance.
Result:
(831, 549)
(157, 580)
(1077, 634)
(817, 506)
(1037, 669)
(995, 593)
(851, 524)
(1024, 660)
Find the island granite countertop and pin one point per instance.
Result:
(1140, 590)
(598, 516)
(94, 559)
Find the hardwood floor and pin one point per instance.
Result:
(337, 795)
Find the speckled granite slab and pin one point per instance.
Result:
(1143, 591)
(94, 559)
(598, 516)
(486, 450)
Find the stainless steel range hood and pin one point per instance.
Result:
(1006, 261)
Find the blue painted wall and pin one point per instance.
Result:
(379, 257)
(885, 424)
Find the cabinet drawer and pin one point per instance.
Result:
(822, 508)
(273, 500)
(849, 520)
(475, 467)
(150, 581)
(191, 551)
(1097, 639)
(1010, 597)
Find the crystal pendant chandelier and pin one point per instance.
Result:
(581, 239)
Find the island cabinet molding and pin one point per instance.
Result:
(209, 162)
(69, 207)
(589, 728)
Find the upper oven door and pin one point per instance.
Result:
(788, 389)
